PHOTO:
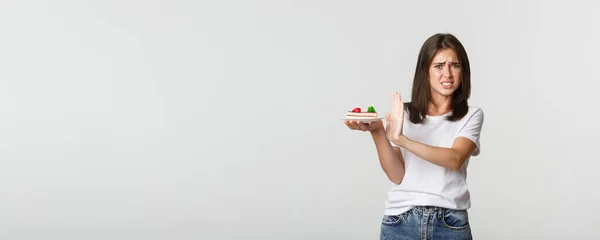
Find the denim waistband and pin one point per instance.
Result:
(429, 210)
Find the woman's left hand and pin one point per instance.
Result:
(395, 120)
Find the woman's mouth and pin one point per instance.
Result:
(447, 85)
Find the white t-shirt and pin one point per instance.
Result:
(425, 183)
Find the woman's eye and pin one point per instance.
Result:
(456, 66)
(438, 66)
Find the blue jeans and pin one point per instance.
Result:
(427, 223)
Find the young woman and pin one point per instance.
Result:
(426, 145)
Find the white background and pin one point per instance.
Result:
(221, 119)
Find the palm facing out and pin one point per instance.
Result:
(395, 120)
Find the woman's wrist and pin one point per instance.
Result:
(378, 131)
(402, 141)
(399, 140)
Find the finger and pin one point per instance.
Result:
(357, 125)
(400, 99)
(353, 125)
(394, 103)
(362, 126)
(401, 105)
(388, 121)
(348, 124)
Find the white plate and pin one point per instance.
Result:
(362, 119)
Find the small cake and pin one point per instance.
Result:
(358, 114)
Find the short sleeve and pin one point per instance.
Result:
(472, 129)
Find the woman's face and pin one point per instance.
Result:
(444, 73)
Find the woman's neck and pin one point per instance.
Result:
(439, 105)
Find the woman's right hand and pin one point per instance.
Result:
(358, 125)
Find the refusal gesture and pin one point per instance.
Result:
(395, 119)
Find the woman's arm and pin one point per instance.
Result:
(390, 157)
(451, 158)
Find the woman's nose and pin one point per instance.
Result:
(447, 72)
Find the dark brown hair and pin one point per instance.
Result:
(421, 92)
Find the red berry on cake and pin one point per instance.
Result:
(356, 110)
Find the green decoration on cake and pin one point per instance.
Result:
(371, 109)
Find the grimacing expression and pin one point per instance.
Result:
(445, 73)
